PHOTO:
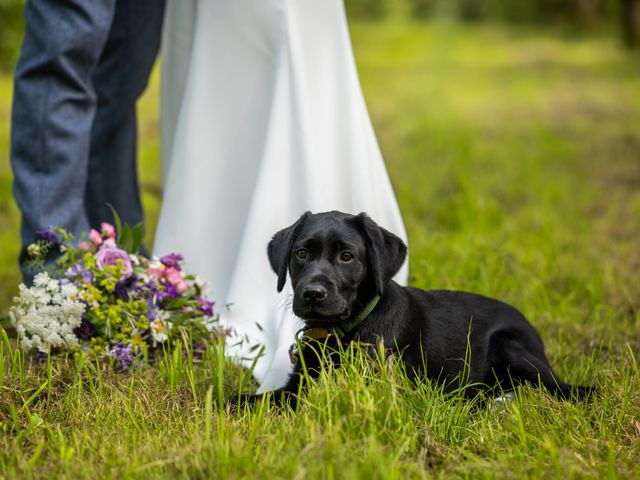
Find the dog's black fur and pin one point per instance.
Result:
(339, 262)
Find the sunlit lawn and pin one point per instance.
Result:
(516, 160)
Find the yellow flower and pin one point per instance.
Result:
(109, 283)
(89, 260)
(142, 323)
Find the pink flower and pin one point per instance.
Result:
(107, 230)
(182, 287)
(156, 272)
(109, 254)
(84, 246)
(95, 237)
(173, 276)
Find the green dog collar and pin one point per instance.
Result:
(322, 332)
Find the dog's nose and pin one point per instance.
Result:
(314, 292)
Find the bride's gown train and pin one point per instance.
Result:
(263, 118)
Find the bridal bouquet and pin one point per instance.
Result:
(105, 299)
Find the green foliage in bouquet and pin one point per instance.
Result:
(101, 296)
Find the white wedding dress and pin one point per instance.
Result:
(263, 119)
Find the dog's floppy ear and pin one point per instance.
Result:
(279, 249)
(386, 252)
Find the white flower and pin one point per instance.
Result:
(34, 250)
(40, 280)
(57, 298)
(46, 314)
(21, 331)
(144, 278)
(160, 327)
(26, 344)
(68, 290)
(53, 285)
(156, 264)
(53, 338)
(71, 340)
(158, 331)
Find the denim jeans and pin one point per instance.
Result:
(82, 66)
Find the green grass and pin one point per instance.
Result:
(516, 160)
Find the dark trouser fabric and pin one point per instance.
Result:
(82, 66)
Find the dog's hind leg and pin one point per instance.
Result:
(524, 365)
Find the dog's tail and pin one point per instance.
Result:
(526, 366)
(566, 390)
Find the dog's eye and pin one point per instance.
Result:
(301, 253)
(346, 256)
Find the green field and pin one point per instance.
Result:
(516, 160)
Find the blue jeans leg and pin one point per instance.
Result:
(120, 79)
(66, 86)
(53, 110)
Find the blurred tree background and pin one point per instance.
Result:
(578, 17)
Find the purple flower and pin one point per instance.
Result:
(169, 291)
(49, 235)
(148, 290)
(152, 311)
(88, 276)
(172, 260)
(198, 352)
(123, 289)
(109, 254)
(73, 271)
(123, 354)
(79, 270)
(86, 331)
(206, 306)
(41, 356)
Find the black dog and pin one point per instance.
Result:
(341, 268)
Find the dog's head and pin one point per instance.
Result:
(337, 262)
